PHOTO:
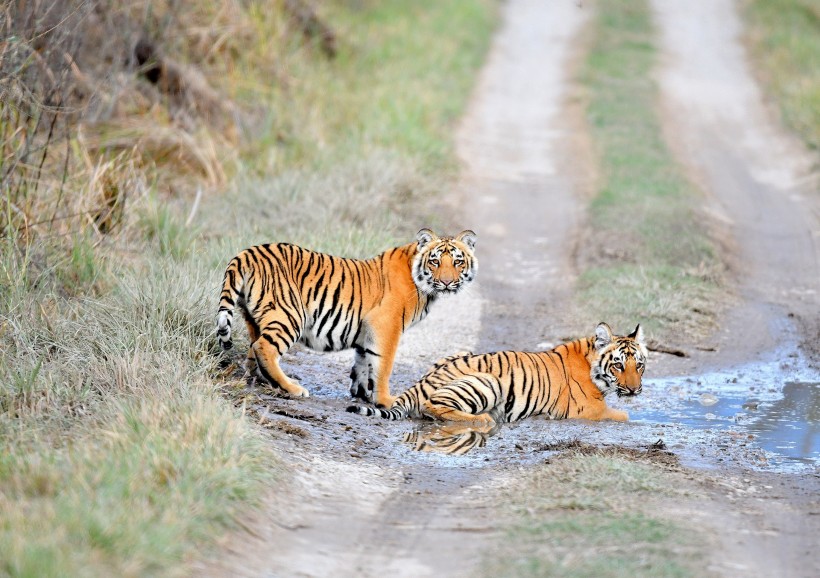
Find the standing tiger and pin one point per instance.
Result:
(569, 381)
(289, 294)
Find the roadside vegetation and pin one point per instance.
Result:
(646, 254)
(589, 512)
(132, 171)
(785, 43)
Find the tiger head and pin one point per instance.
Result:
(618, 362)
(444, 264)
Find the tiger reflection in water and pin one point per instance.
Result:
(452, 438)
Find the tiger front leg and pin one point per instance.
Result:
(601, 411)
(380, 352)
(615, 415)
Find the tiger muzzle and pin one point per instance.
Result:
(628, 392)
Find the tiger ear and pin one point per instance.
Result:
(424, 236)
(467, 237)
(637, 335)
(603, 336)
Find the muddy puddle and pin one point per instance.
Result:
(787, 428)
(772, 403)
(762, 415)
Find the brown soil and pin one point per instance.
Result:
(361, 502)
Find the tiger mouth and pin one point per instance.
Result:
(624, 392)
(442, 288)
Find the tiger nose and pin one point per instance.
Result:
(447, 280)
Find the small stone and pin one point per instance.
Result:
(707, 399)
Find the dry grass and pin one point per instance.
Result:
(117, 442)
(356, 208)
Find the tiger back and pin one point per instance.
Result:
(289, 294)
(570, 381)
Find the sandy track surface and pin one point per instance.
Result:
(360, 502)
(758, 179)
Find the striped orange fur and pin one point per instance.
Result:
(288, 294)
(569, 381)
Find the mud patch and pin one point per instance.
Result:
(655, 453)
(288, 428)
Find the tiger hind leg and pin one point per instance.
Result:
(361, 380)
(468, 399)
(266, 357)
(253, 335)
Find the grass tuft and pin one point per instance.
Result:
(168, 232)
(785, 41)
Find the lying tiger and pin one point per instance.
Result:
(289, 294)
(569, 381)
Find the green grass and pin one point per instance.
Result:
(588, 515)
(785, 42)
(121, 457)
(166, 230)
(409, 106)
(647, 257)
(119, 453)
(598, 545)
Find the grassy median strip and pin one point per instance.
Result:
(120, 455)
(785, 44)
(646, 256)
(588, 512)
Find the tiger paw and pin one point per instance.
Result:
(616, 415)
(385, 401)
(293, 389)
(359, 391)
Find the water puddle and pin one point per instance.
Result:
(787, 428)
(773, 405)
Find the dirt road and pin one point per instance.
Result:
(758, 178)
(763, 194)
(362, 503)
